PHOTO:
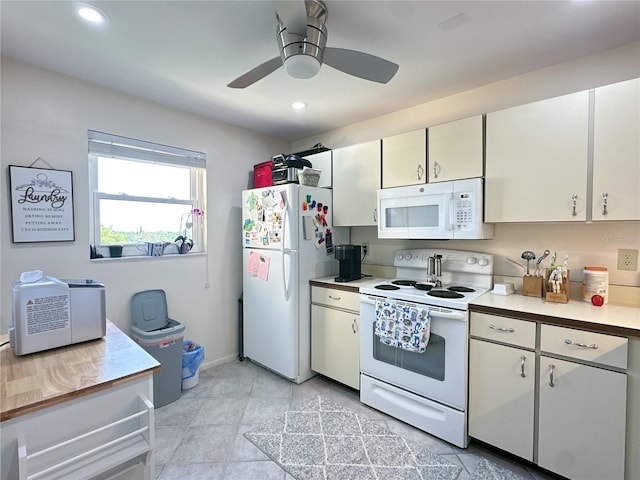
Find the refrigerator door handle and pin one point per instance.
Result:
(285, 214)
(285, 283)
(285, 251)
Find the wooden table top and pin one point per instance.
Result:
(39, 380)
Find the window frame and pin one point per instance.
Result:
(103, 145)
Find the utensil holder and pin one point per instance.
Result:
(557, 297)
(532, 286)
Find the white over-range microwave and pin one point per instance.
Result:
(444, 210)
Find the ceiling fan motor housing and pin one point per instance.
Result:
(302, 54)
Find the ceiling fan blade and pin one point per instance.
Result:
(360, 64)
(258, 73)
(292, 14)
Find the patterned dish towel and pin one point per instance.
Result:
(402, 326)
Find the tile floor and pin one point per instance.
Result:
(200, 436)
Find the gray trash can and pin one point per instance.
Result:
(162, 338)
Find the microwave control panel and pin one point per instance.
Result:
(463, 210)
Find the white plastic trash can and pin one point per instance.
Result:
(162, 338)
(192, 356)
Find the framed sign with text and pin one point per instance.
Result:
(41, 204)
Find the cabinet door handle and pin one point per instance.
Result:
(605, 197)
(522, 360)
(375, 215)
(436, 169)
(337, 299)
(501, 329)
(582, 345)
(420, 172)
(551, 368)
(354, 325)
(574, 204)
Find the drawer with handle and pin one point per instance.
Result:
(583, 345)
(332, 297)
(508, 330)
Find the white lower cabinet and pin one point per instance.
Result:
(501, 392)
(574, 422)
(582, 415)
(335, 336)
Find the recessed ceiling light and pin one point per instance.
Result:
(92, 14)
(298, 105)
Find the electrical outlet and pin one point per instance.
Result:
(628, 259)
(365, 249)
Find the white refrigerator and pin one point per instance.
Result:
(288, 239)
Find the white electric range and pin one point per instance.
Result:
(427, 390)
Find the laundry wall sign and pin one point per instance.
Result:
(41, 204)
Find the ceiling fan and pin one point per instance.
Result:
(302, 36)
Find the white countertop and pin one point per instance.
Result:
(615, 319)
(612, 318)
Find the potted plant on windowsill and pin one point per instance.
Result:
(184, 243)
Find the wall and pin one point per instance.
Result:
(586, 244)
(47, 115)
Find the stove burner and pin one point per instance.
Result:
(423, 286)
(461, 289)
(386, 286)
(445, 294)
(404, 283)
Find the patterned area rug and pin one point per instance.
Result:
(321, 440)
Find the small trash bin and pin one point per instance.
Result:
(162, 338)
(192, 356)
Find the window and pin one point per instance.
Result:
(145, 193)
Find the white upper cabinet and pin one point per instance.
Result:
(322, 162)
(616, 152)
(356, 180)
(456, 150)
(536, 161)
(404, 159)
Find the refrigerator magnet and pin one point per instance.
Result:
(328, 242)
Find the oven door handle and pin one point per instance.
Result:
(369, 300)
(449, 314)
(433, 311)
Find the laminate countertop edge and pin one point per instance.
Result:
(40, 380)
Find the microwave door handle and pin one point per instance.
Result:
(450, 218)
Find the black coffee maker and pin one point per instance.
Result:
(350, 259)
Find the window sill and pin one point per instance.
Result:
(145, 258)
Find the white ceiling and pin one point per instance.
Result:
(183, 53)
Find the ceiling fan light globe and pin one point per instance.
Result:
(302, 66)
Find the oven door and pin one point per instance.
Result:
(439, 373)
(415, 211)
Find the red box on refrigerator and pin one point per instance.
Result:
(262, 174)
